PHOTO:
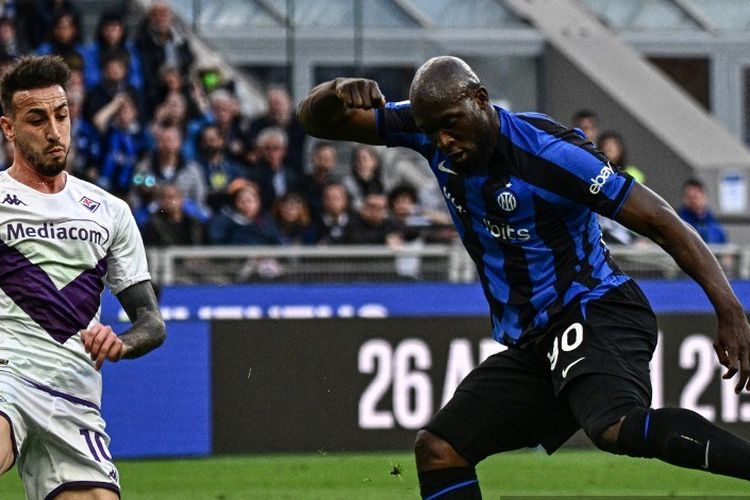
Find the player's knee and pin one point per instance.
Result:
(6, 462)
(7, 457)
(606, 440)
(432, 452)
(632, 431)
(605, 434)
(87, 494)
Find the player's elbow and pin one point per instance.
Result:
(157, 329)
(160, 332)
(305, 117)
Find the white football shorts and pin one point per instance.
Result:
(58, 440)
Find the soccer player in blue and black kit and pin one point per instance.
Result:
(522, 191)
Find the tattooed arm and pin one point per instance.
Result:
(146, 334)
(148, 331)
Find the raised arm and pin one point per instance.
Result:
(344, 110)
(648, 214)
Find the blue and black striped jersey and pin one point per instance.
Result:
(527, 220)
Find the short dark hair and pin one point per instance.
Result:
(693, 182)
(322, 145)
(31, 72)
(583, 114)
(402, 190)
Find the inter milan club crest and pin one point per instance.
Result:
(507, 201)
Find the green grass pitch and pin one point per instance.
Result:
(385, 476)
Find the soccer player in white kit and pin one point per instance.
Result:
(61, 240)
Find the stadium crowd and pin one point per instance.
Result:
(171, 139)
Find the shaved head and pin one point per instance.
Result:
(443, 79)
(452, 108)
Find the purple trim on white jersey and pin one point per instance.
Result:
(62, 395)
(77, 485)
(62, 313)
(12, 438)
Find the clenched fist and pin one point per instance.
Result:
(359, 93)
(102, 343)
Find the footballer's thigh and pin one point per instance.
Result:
(15, 406)
(87, 494)
(506, 403)
(600, 361)
(7, 456)
(71, 456)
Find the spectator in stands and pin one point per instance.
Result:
(244, 223)
(403, 203)
(65, 41)
(85, 146)
(11, 46)
(124, 142)
(331, 225)
(6, 153)
(113, 84)
(413, 221)
(111, 41)
(160, 45)
(372, 226)
(171, 113)
(167, 165)
(323, 159)
(280, 113)
(171, 224)
(292, 217)
(695, 211)
(218, 170)
(588, 122)
(172, 82)
(271, 173)
(365, 176)
(224, 113)
(613, 147)
(9, 9)
(75, 83)
(37, 19)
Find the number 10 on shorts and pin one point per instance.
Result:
(568, 341)
(99, 440)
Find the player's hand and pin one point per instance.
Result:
(732, 346)
(359, 93)
(102, 343)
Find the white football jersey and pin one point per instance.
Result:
(57, 251)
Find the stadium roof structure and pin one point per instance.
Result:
(303, 35)
(712, 16)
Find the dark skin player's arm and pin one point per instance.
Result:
(648, 214)
(343, 110)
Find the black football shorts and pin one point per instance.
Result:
(588, 368)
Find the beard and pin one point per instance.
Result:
(48, 167)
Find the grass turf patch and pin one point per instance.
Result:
(378, 476)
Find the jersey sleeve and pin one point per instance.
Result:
(126, 258)
(563, 162)
(396, 126)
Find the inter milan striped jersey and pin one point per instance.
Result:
(527, 220)
(57, 251)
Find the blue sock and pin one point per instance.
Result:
(456, 483)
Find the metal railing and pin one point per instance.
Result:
(345, 264)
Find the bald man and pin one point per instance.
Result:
(523, 191)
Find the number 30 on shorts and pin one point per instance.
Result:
(570, 339)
